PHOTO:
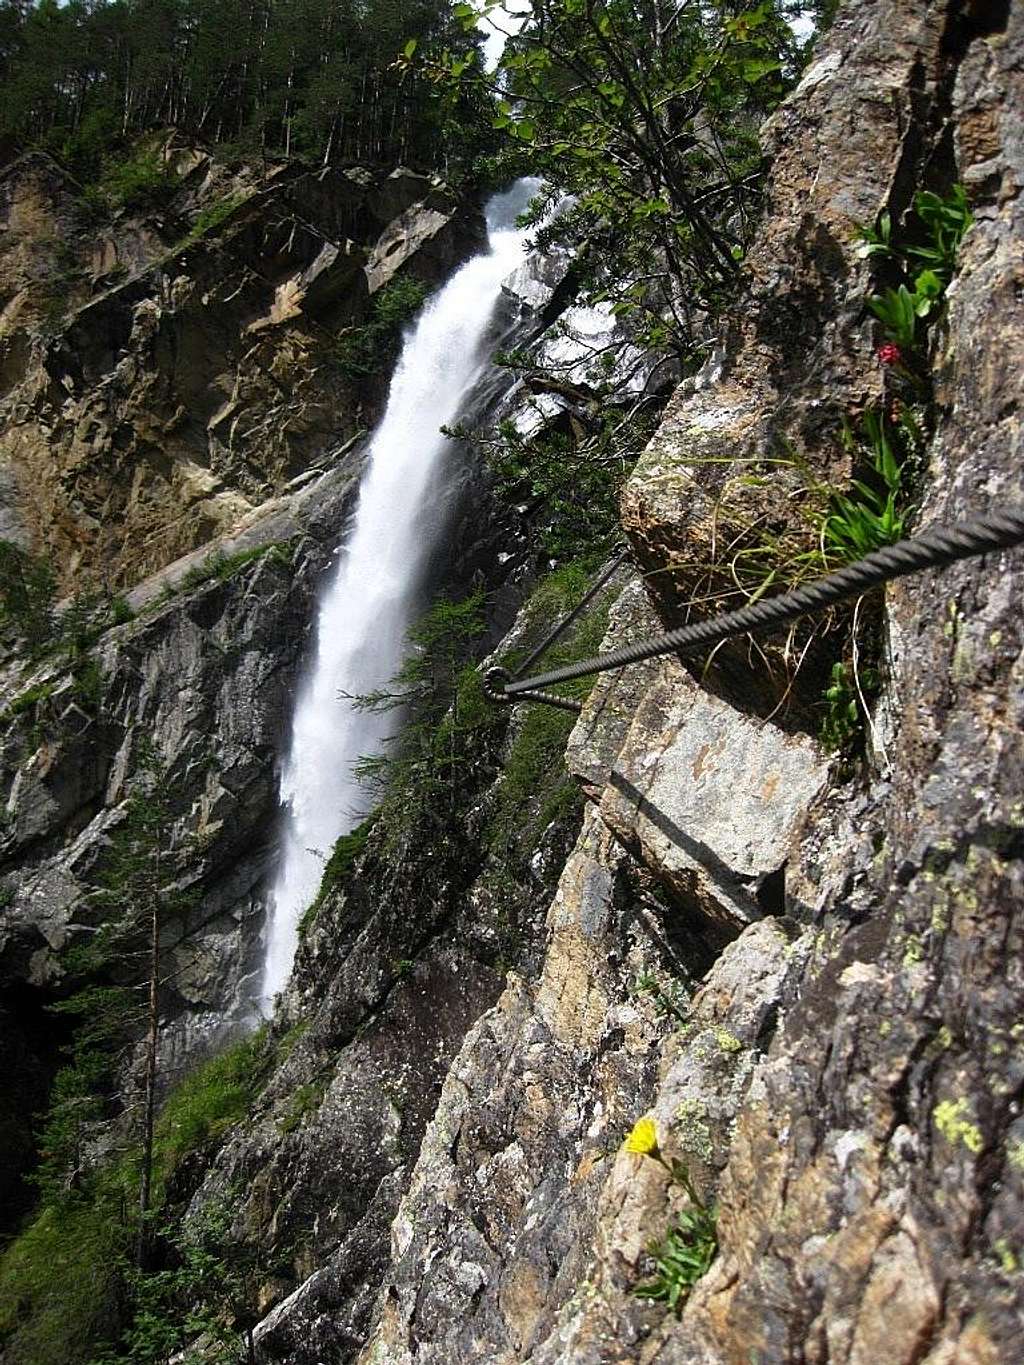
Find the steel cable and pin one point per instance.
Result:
(934, 548)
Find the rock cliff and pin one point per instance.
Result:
(165, 373)
(175, 423)
(844, 1073)
(806, 973)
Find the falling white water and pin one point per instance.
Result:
(367, 608)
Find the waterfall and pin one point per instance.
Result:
(368, 605)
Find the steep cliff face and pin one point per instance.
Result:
(845, 1073)
(806, 973)
(172, 400)
(165, 373)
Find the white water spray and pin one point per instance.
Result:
(367, 608)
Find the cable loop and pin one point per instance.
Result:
(494, 686)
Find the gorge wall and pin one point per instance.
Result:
(809, 978)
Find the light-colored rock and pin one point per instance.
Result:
(710, 799)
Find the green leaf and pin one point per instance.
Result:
(755, 69)
(410, 46)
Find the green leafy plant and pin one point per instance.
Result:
(687, 1250)
(120, 611)
(221, 567)
(843, 722)
(570, 476)
(897, 311)
(669, 999)
(872, 515)
(942, 221)
(28, 699)
(205, 1292)
(655, 136)
(682, 1257)
(88, 684)
(947, 219)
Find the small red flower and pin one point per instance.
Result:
(889, 354)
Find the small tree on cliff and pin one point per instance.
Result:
(646, 112)
(139, 892)
(141, 887)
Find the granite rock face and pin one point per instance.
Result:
(844, 1070)
(204, 673)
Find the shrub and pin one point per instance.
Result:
(60, 1280)
(368, 349)
(141, 181)
(120, 611)
(571, 478)
(88, 684)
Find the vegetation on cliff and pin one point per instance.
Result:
(304, 78)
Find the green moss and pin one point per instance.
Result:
(336, 870)
(305, 1100)
(914, 952)
(208, 1101)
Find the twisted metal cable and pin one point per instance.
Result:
(567, 621)
(934, 548)
(495, 689)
